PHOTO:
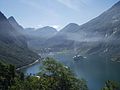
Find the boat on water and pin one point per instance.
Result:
(78, 58)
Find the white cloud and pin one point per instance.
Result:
(42, 8)
(48, 13)
(73, 4)
(55, 26)
(30, 3)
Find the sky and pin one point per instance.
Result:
(54, 13)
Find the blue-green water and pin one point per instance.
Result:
(94, 69)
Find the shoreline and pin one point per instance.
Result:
(25, 66)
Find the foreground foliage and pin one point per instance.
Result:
(111, 85)
(60, 77)
(52, 76)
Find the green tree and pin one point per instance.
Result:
(52, 76)
(60, 76)
(7, 74)
(111, 85)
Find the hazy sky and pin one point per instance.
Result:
(55, 13)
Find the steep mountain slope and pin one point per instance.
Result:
(13, 46)
(105, 29)
(72, 27)
(98, 36)
(61, 39)
(18, 29)
(14, 23)
(103, 23)
(34, 37)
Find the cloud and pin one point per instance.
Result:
(30, 3)
(84, 37)
(72, 4)
(36, 4)
(55, 26)
(46, 14)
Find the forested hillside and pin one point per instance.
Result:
(13, 45)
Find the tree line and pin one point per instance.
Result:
(53, 75)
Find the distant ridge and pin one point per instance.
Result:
(13, 45)
(98, 36)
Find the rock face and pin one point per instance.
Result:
(34, 37)
(18, 31)
(13, 45)
(99, 36)
(14, 23)
(104, 32)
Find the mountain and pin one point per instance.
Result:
(13, 45)
(104, 32)
(109, 19)
(45, 32)
(18, 29)
(61, 39)
(38, 36)
(34, 37)
(14, 23)
(72, 27)
(29, 31)
(98, 36)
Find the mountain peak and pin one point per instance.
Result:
(2, 16)
(72, 27)
(117, 4)
(12, 19)
(47, 29)
(14, 23)
(72, 24)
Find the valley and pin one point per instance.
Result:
(86, 55)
